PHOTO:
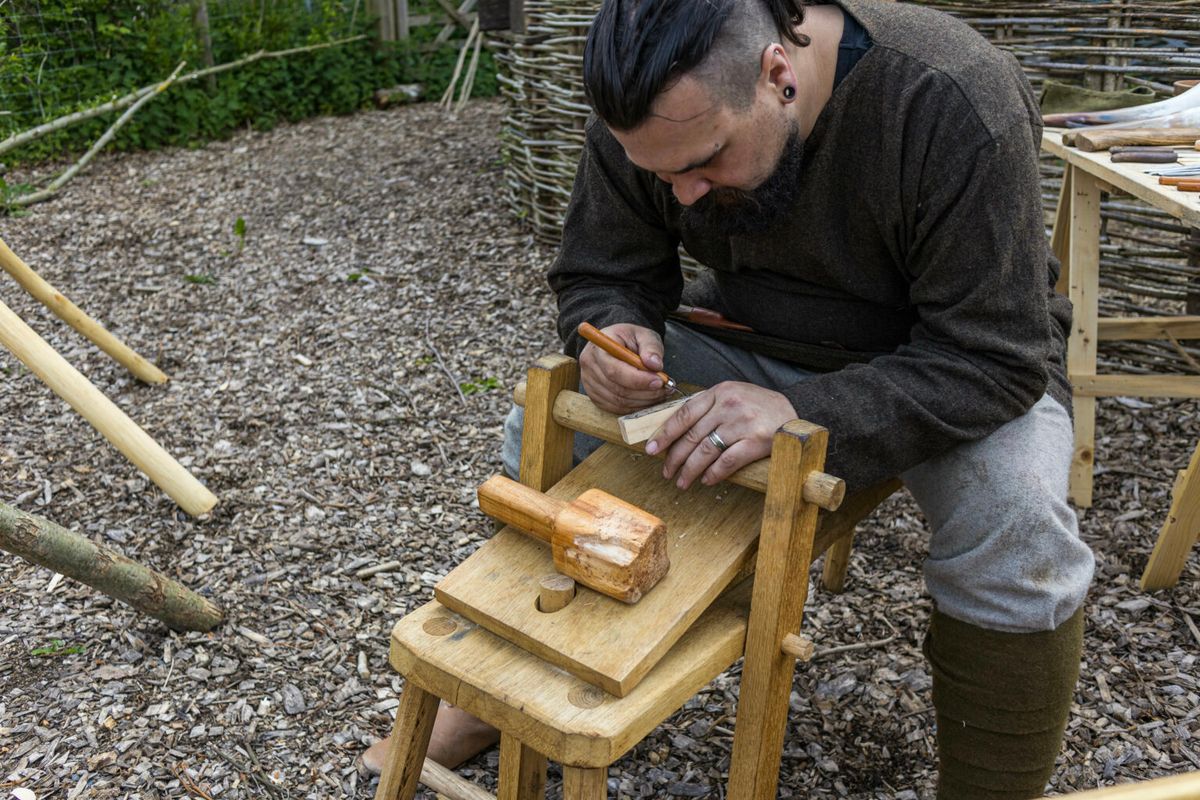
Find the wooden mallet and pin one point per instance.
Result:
(599, 540)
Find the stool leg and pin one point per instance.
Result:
(522, 771)
(580, 783)
(1178, 533)
(837, 561)
(1083, 266)
(410, 740)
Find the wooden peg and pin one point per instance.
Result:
(555, 592)
(798, 647)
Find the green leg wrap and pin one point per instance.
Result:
(1002, 701)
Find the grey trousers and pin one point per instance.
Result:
(1004, 553)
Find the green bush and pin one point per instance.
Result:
(60, 56)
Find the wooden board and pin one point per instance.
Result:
(712, 535)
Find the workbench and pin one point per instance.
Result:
(1076, 242)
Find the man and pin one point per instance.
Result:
(861, 178)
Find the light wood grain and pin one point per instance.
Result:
(837, 561)
(449, 785)
(711, 533)
(409, 742)
(1060, 237)
(1175, 787)
(554, 592)
(545, 443)
(1129, 328)
(522, 771)
(1092, 386)
(1084, 267)
(585, 784)
(71, 314)
(1129, 178)
(1095, 141)
(103, 415)
(798, 647)
(780, 587)
(641, 425)
(1179, 532)
(551, 711)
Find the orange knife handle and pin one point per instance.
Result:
(616, 349)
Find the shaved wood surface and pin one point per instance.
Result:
(641, 425)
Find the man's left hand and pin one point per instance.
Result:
(745, 418)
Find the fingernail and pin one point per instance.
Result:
(651, 447)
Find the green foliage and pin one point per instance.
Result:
(483, 385)
(239, 230)
(60, 56)
(200, 279)
(57, 647)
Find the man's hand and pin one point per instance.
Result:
(617, 387)
(744, 416)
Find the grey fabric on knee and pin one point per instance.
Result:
(1005, 552)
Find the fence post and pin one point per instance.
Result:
(402, 19)
(516, 16)
(385, 12)
(204, 33)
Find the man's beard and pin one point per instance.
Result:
(740, 212)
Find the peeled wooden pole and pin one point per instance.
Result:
(45, 362)
(71, 314)
(49, 545)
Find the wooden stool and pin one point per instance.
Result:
(542, 709)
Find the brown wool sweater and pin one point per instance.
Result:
(914, 272)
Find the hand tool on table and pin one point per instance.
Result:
(1134, 155)
(623, 353)
(599, 540)
(1093, 141)
(709, 318)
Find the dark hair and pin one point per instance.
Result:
(637, 48)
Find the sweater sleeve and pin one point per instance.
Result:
(618, 262)
(977, 267)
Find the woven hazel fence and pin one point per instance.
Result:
(1150, 264)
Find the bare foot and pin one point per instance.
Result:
(457, 737)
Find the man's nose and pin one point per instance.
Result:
(688, 188)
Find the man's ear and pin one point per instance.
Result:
(775, 73)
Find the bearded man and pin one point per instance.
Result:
(861, 180)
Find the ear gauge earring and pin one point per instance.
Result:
(789, 92)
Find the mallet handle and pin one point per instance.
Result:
(520, 506)
(45, 362)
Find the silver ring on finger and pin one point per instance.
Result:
(716, 441)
